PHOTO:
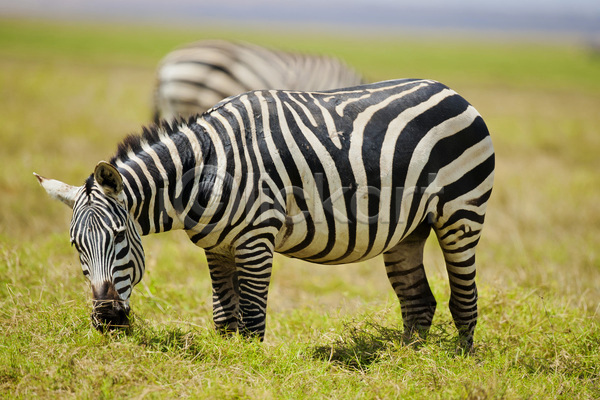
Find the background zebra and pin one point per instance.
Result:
(330, 177)
(193, 78)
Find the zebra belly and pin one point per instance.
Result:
(337, 234)
(338, 254)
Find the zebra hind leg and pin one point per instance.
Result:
(458, 238)
(405, 270)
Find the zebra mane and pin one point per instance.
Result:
(89, 183)
(150, 134)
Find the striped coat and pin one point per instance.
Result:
(330, 177)
(193, 78)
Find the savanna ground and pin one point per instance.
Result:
(68, 95)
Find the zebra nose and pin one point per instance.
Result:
(110, 316)
(109, 311)
(120, 306)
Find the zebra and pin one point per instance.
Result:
(330, 177)
(193, 78)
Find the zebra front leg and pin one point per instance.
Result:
(404, 267)
(254, 261)
(226, 297)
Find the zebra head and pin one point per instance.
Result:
(108, 242)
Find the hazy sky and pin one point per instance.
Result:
(572, 6)
(504, 5)
(573, 16)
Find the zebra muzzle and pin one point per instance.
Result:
(109, 311)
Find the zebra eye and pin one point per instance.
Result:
(119, 235)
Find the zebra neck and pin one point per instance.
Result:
(145, 205)
(161, 180)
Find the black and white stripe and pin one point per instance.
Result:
(330, 177)
(110, 250)
(193, 78)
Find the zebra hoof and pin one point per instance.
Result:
(464, 347)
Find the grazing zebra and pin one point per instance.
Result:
(192, 79)
(330, 177)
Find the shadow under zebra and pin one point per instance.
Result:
(362, 344)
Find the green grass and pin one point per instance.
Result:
(69, 92)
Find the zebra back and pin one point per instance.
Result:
(193, 78)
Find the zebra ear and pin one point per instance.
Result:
(59, 190)
(109, 179)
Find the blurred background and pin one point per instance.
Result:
(514, 17)
(77, 76)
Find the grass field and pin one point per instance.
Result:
(69, 93)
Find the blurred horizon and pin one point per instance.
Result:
(549, 19)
